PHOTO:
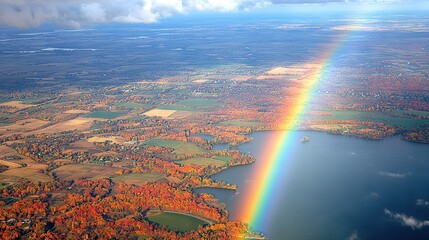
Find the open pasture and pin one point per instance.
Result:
(105, 114)
(138, 178)
(163, 113)
(177, 221)
(80, 171)
(179, 147)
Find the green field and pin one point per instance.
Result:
(135, 106)
(225, 158)
(217, 161)
(7, 115)
(241, 123)
(179, 147)
(204, 161)
(24, 100)
(198, 102)
(400, 122)
(176, 221)
(176, 107)
(3, 100)
(29, 100)
(138, 117)
(138, 178)
(105, 114)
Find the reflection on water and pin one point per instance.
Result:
(337, 187)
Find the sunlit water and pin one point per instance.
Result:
(338, 187)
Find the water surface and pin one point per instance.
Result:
(337, 187)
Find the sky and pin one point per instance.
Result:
(80, 13)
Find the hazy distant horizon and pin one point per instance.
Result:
(89, 13)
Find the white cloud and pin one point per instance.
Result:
(373, 195)
(75, 13)
(353, 236)
(93, 12)
(406, 220)
(422, 202)
(394, 175)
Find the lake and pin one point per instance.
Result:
(337, 187)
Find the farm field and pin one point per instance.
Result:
(179, 147)
(135, 106)
(396, 121)
(177, 221)
(199, 103)
(138, 178)
(163, 113)
(204, 161)
(79, 171)
(31, 174)
(217, 161)
(105, 114)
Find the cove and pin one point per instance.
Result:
(337, 187)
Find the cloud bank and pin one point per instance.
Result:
(75, 13)
(394, 175)
(406, 220)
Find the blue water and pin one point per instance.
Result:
(337, 187)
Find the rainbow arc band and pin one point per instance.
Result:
(276, 149)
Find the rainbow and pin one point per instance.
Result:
(276, 150)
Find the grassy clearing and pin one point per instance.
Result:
(136, 118)
(176, 221)
(225, 159)
(400, 122)
(79, 171)
(10, 164)
(105, 114)
(135, 106)
(24, 100)
(29, 100)
(176, 107)
(241, 123)
(164, 113)
(204, 161)
(163, 143)
(33, 175)
(179, 147)
(114, 139)
(217, 161)
(7, 115)
(3, 100)
(198, 102)
(138, 178)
